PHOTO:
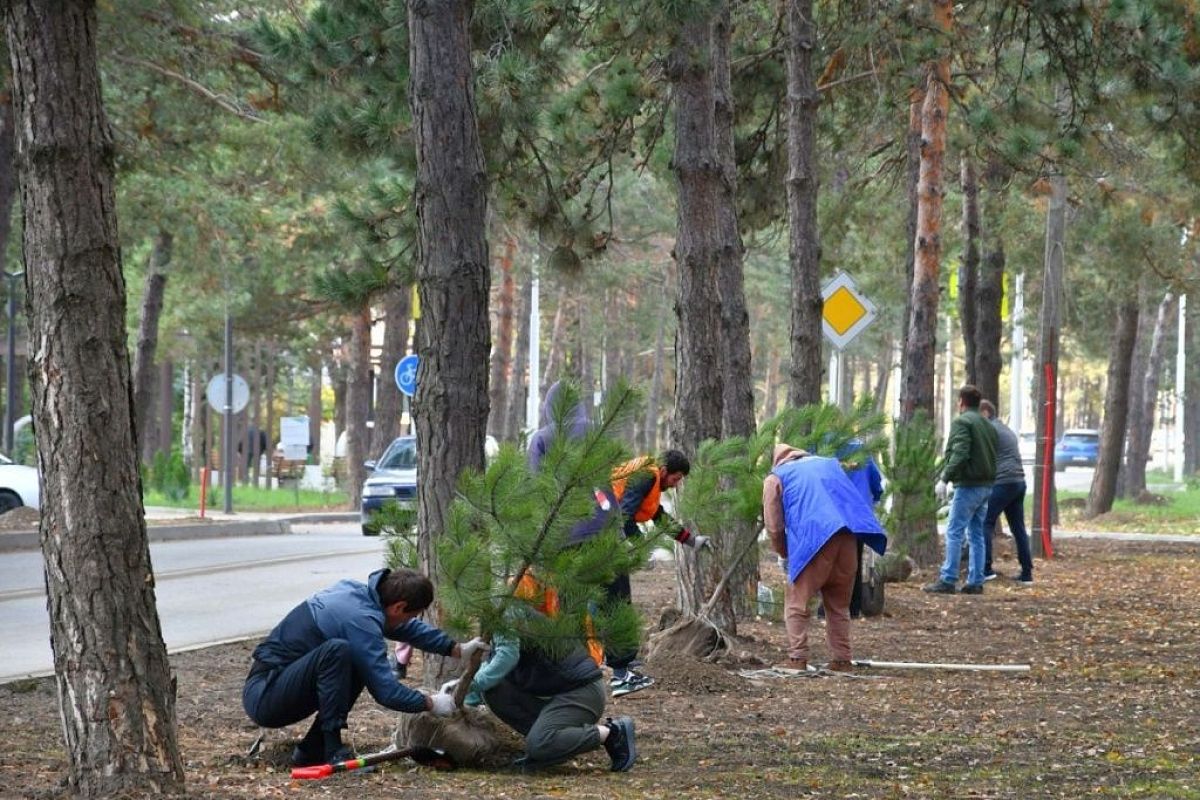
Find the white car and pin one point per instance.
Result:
(18, 486)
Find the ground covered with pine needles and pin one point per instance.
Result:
(1111, 707)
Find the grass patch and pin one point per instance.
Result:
(251, 498)
(1177, 513)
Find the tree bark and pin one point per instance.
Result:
(988, 324)
(1116, 409)
(1191, 416)
(557, 342)
(804, 250)
(166, 407)
(358, 384)
(453, 335)
(737, 404)
(147, 341)
(697, 167)
(918, 378)
(968, 270)
(116, 693)
(1142, 423)
(654, 401)
(502, 353)
(517, 396)
(1137, 366)
(1047, 377)
(269, 429)
(315, 414)
(912, 142)
(397, 308)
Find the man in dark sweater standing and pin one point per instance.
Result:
(1007, 498)
(970, 464)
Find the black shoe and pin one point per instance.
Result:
(305, 757)
(1025, 580)
(620, 743)
(940, 587)
(971, 588)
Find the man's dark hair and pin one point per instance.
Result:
(408, 585)
(675, 461)
(970, 395)
(987, 408)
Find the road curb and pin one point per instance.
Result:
(28, 540)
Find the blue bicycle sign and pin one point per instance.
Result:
(406, 375)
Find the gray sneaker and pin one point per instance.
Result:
(629, 683)
(940, 587)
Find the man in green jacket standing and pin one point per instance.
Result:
(970, 464)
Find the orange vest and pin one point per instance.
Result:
(620, 476)
(530, 589)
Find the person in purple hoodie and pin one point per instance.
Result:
(575, 425)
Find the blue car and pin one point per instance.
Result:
(392, 477)
(1077, 448)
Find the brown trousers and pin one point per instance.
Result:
(831, 572)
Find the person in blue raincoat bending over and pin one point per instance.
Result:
(814, 515)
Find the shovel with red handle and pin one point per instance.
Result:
(425, 756)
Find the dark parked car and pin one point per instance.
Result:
(392, 477)
(1077, 448)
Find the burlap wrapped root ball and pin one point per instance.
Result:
(473, 736)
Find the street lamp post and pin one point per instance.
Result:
(10, 403)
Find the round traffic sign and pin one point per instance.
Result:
(216, 393)
(406, 374)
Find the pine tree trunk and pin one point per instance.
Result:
(804, 250)
(272, 360)
(147, 341)
(917, 389)
(654, 401)
(771, 400)
(912, 143)
(397, 307)
(1047, 378)
(988, 324)
(8, 168)
(453, 336)
(166, 407)
(199, 421)
(558, 340)
(1191, 416)
(315, 414)
(358, 385)
(502, 353)
(116, 693)
(1137, 366)
(1142, 423)
(968, 271)
(697, 167)
(519, 382)
(253, 439)
(737, 405)
(337, 373)
(1116, 410)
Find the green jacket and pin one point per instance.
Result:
(970, 451)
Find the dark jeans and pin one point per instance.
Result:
(619, 590)
(324, 681)
(1008, 499)
(555, 728)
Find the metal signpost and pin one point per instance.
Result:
(845, 313)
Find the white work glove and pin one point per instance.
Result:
(467, 649)
(942, 491)
(442, 705)
(449, 686)
(700, 541)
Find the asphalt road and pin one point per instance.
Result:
(208, 590)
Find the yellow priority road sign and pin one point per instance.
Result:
(846, 311)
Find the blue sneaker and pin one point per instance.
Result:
(620, 743)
